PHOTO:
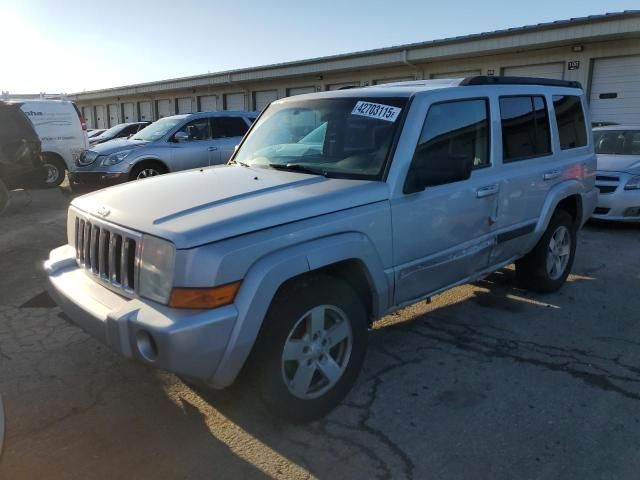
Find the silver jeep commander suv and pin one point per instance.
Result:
(336, 209)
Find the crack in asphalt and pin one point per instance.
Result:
(468, 338)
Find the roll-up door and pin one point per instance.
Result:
(185, 105)
(263, 98)
(300, 91)
(234, 101)
(164, 108)
(146, 113)
(101, 117)
(456, 74)
(208, 103)
(128, 111)
(615, 90)
(541, 70)
(88, 117)
(114, 115)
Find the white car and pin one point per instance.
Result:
(62, 131)
(618, 174)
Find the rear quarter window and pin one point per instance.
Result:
(572, 129)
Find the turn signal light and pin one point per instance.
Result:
(204, 298)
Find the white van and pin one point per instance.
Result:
(62, 131)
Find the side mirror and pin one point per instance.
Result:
(429, 169)
(181, 137)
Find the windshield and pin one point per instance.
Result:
(112, 132)
(157, 129)
(349, 137)
(617, 142)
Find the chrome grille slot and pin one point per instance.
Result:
(108, 252)
(607, 183)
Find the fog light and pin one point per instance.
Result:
(147, 346)
(632, 212)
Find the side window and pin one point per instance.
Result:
(525, 127)
(454, 139)
(570, 119)
(227, 127)
(196, 129)
(127, 131)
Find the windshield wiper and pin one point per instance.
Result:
(298, 167)
(234, 162)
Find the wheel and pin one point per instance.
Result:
(146, 170)
(56, 169)
(311, 348)
(547, 266)
(4, 197)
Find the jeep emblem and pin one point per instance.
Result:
(103, 212)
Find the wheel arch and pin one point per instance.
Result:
(350, 255)
(150, 159)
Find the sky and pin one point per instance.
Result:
(68, 46)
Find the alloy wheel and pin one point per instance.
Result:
(559, 252)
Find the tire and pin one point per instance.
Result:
(547, 266)
(146, 170)
(4, 197)
(56, 170)
(287, 387)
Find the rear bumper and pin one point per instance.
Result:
(186, 342)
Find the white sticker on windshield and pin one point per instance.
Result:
(376, 110)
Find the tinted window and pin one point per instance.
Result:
(525, 127)
(129, 130)
(570, 119)
(197, 129)
(453, 132)
(225, 127)
(617, 142)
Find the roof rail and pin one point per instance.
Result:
(486, 80)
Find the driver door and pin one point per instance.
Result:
(190, 147)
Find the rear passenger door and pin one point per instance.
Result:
(226, 134)
(527, 172)
(441, 227)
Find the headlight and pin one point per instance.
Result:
(633, 183)
(115, 158)
(157, 264)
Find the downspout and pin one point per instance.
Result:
(405, 60)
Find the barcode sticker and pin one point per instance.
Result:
(376, 110)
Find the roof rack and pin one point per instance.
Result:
(486, 80)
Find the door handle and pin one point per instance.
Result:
(212, 149)
(552, 174)
(487, 191)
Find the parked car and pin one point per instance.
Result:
(20, 153)
(618, 175)
(285, 257)
(171, 144)
(62, 131)
(94, 132)
(123, 130)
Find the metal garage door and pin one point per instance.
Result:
(458, 74)
(338, 86)
(185, 105)
(114, 114)
(208, 103)
(262, 99)
(164, 108)
(615, 90)
(145, 111)
(542, 70)
(382, 81)
(101, 118)
(128, 111)
(88, 117)
(234, 101)
(300, 91)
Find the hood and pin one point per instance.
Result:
(116, 145)
(197, 207)
(619, 163)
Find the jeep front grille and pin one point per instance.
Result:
(108, 252)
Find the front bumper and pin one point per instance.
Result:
(620, 205)
(186, 342)
(98, 179)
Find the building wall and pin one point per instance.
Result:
(487, 64)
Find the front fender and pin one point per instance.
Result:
(267, 275)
